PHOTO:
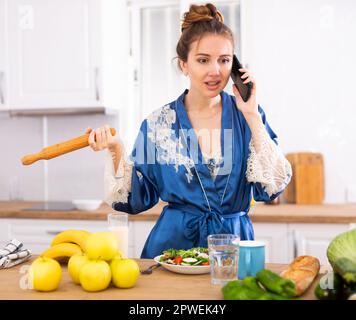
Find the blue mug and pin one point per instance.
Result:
(251, 258)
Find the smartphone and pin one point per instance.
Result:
(243, 88)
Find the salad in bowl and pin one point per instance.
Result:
(191, 261)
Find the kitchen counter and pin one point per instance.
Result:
(289, 213)
(160, 285)
(14, 209)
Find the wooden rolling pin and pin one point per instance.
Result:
(59, 149)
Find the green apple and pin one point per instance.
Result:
(75, 263)
(101, 245)
(45, 274)
(95, 275)
(125, 272)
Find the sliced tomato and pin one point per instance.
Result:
(178, 260)
(205, 263)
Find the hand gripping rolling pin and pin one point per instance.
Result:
(59, 149)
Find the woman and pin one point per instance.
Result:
(205, 153)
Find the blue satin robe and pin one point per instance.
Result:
(198, 205)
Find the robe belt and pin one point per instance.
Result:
(200, 224)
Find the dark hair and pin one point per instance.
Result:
(198, 21)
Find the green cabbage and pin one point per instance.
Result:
(341, 254)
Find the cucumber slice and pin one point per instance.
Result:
(190, 260)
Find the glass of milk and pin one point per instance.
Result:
(118, 225)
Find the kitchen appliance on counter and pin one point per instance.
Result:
(307, 184)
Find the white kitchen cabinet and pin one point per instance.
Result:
(313, 239)
(286, 241)
(140, 232)
(66, 54)
(275, 236)
(4, 239)
(3, 64)
(36, 234)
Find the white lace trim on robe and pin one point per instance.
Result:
(168, 146)
(117, 185)
(267, 164)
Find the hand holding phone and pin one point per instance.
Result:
(243, 88)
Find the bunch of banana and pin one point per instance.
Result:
(78, 237)
(66, 244)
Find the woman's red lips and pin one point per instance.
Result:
(212, 85)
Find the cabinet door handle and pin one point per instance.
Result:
(53, 232)
(2, 95)
(96, 79)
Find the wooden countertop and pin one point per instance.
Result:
(160, 285)
(14, 209)
(287, 213)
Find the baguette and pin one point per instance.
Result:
(302, 271)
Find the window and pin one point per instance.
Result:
(155, 31)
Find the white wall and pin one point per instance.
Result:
(302, 54)
(76, 175)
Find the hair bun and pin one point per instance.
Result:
(213, 10)
(199, 13)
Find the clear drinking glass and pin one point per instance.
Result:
(118, 225)
(223, 255)
(15, 189)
